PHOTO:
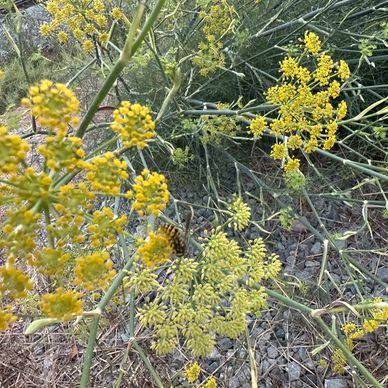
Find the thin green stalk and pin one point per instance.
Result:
(88, 358)
(148, 364)
(129, 49)
(68, 83)
(347, 353)
(175, 87)
(94, 323)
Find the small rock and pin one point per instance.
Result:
(214, 355)
(265, 366)
(242, 376)
(272, 352)
(316, 248)
(242, 353)
(225, 343)
(341, 244)
(212, 367)
(311, 263)
(298, 227)
(302, 352)
(336, 278)
(234, 383)
(382, 273)
(335, 383)
(294, 371)
(280, 333)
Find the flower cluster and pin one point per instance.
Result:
(61, 304)
(134, 124)
(48, 197)
(218, 22)
(150, 193)
(6, 318)
(94, 271)
(13, 150)
(104, 227)
(13, 282)
(199, 299)
(53, 105)
(192, 372)
(354, 332)
(66, 154)
(257, 126)
(239, 212)
(85, 20)
(215, 127)
(106, 173)
(155, 250)
(307, 115)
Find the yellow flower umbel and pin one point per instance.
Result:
(19, 232)
(240, 213)
(63, 305)
(134, 124)
(150, 193)
(312, 43)
(155, 250)
(85, 20)
(53, 105)
(279, 151)
(104, 228)
(257, 126)
(211, 382)
(31, 187)
(192, 372)
(66, 153)
(291, 166)
(106, 173)
(6, 318)
(218, 21)
(307, 116)
(50, 261)
(204, 298)
(14, 282)
(94, 271)
(13, 150)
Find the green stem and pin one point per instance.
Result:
(88, 358)
(129, 49)
(347, 353)
(356, 166)
(148, 364)
(94, 324)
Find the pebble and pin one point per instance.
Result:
(212, 367)
(382, 273)
(225, 343)
(272, 352)
(242, 376)
(298, 227)
(335, 383)
(294, 371)
(341, 244)
(316, 248)
(311, 263)
(214, 355)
